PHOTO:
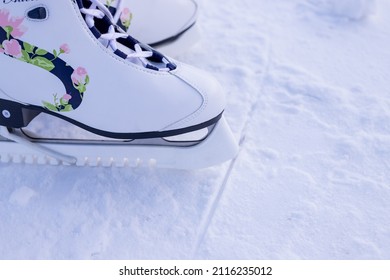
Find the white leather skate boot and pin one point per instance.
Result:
(167, 25)
(67, 59)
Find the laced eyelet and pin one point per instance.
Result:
(137, 52)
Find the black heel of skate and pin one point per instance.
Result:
(15, 115)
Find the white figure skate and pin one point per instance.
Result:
(167, 25)
(67, 60)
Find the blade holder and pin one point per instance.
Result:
(15, 115)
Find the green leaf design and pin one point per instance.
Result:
(25, 56)
(55, 53)
(81, 88)
(49, 106)
(67, 108)
(43, 63)
(27, 47)
(8, 30)
(86, 80)
(40, 52)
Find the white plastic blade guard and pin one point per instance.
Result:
(218, 147)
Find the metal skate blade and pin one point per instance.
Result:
(45, 128)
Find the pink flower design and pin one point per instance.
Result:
(79, 76)
(4, 17)
(13, 48)
(1, 50)
(126, 17)
(67, 97)
(15, 22)
(64, 48)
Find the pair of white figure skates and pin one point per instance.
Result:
(74, 61)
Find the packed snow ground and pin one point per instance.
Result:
(307, 84)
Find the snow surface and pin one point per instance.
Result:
(307, 83)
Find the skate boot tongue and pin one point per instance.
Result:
(102, 24)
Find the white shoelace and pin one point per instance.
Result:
(99, 10)
(118, 8)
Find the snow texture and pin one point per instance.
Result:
(307, 84)
(348, 9)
